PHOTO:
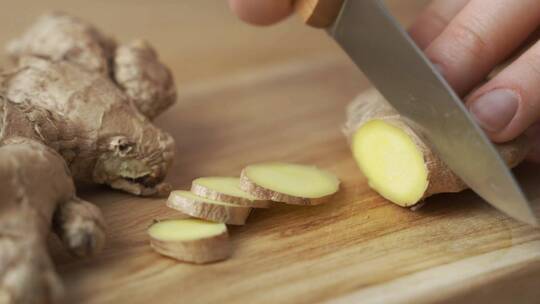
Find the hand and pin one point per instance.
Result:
(467, 39)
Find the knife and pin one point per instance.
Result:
(393, 63)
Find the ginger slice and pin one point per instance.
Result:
(208, 209)
(289, 183)
(190, 240)
(226, 189)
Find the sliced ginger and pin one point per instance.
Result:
(190, 240)
(289, 183)
(391, 161)
(223, 200)
(226, 189)
(208, 209)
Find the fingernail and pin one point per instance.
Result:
(494, 110)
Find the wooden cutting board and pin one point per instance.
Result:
(357, 249)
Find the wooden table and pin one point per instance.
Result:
(250, 95)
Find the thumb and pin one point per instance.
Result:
(261, 12)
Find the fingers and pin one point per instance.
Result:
(510, 103)
(481, 35)
(433, 20)
(261, 12)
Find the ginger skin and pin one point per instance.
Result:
(145, 80)
(58, 36)
(65, 115)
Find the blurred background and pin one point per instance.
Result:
(200, 39)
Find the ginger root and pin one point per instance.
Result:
(38, 191)
(75, 106)
(145, 80)
(60, 37)
(396, 159)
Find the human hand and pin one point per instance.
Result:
(467, 39)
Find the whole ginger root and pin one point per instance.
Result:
(75, 106)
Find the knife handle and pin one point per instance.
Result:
(318, 13)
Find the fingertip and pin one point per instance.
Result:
(509, 104)
(261, 12)
(495, 110)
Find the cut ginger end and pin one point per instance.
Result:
(391, 161)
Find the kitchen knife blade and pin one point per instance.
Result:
(381, 48)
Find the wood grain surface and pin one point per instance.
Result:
(250, 95)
